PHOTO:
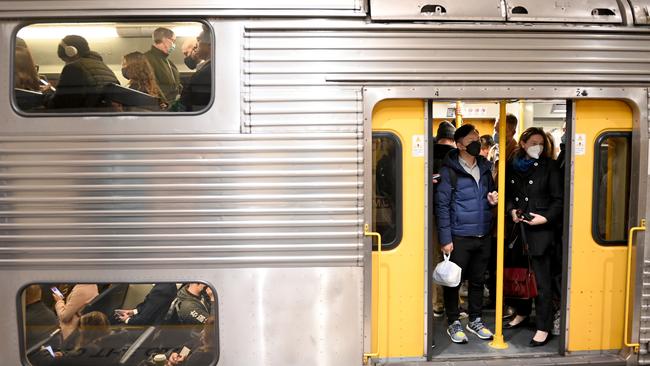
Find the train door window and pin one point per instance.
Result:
(611, 188)
(387, 192)
(119, 323)
(113, 67)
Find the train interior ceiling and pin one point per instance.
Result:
(111, 40)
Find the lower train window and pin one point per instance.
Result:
(611, 188)
(113, 67)
(387, 192)
(119, 324)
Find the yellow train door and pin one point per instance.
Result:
(601, 200)
(398, 306)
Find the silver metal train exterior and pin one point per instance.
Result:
(264, 196)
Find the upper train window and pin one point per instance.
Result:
(120, 67)
(611, 187)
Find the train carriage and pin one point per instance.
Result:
(269, 193)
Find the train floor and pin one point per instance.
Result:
(517, 340)
(478, 352)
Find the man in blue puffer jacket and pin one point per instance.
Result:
(464, 200)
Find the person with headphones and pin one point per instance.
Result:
(83, 77)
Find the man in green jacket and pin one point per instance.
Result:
(167, 75)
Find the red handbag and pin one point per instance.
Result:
(520, 283)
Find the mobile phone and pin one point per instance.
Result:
(184, 352)
(56, 291)
(49, 350)
(435, 176)
(525, 215)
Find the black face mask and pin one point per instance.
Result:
(474, 148)
(125, 74)
(190, 62)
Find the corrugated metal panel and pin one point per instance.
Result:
(286, 63)
(222, 199)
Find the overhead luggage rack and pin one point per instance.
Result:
(564, 11)
(436, 10)
(641, 10)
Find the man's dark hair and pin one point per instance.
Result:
(463, 131)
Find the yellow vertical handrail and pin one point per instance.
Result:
(628, 279)
(498, 341)
(459, 114)
(367, 232)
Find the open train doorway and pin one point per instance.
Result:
(407, 323)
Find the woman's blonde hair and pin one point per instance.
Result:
(141, 75)
(25, 74)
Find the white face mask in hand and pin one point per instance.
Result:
(535, 151)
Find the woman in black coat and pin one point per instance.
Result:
(534, 199)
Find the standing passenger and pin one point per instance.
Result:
(465, 197)
(167, 76)
(444, 144)
(198, 91)
(534, 188)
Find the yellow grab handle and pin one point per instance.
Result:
(367, 232)
(630, 241)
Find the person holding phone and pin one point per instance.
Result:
(152, 309)
(67, 310)
(203, 355)
(534, 199)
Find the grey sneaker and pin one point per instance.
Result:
(455, 331)
(477, 327)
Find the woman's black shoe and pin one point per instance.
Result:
(522, 323)
(534, 343)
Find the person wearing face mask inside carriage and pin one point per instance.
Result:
(534, 199)
(464, 200)
(166, 72)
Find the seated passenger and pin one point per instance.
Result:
(68, 310)
(40, 320)
(94, 345)
(26, 78)
(193, 304)
(152, 309)
(204, 354)
(138, 71)
(196, 95)
(83, 77)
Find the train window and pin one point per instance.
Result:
(387, 192)
(113, 67)
(611, 191)
(119, 323)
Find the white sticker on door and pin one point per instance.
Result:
(418, 146)
(581, 143)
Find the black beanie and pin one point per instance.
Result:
(75, 41)
(463, 131)
(445, 130)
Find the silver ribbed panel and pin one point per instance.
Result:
(223, 199)
(303, 62)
